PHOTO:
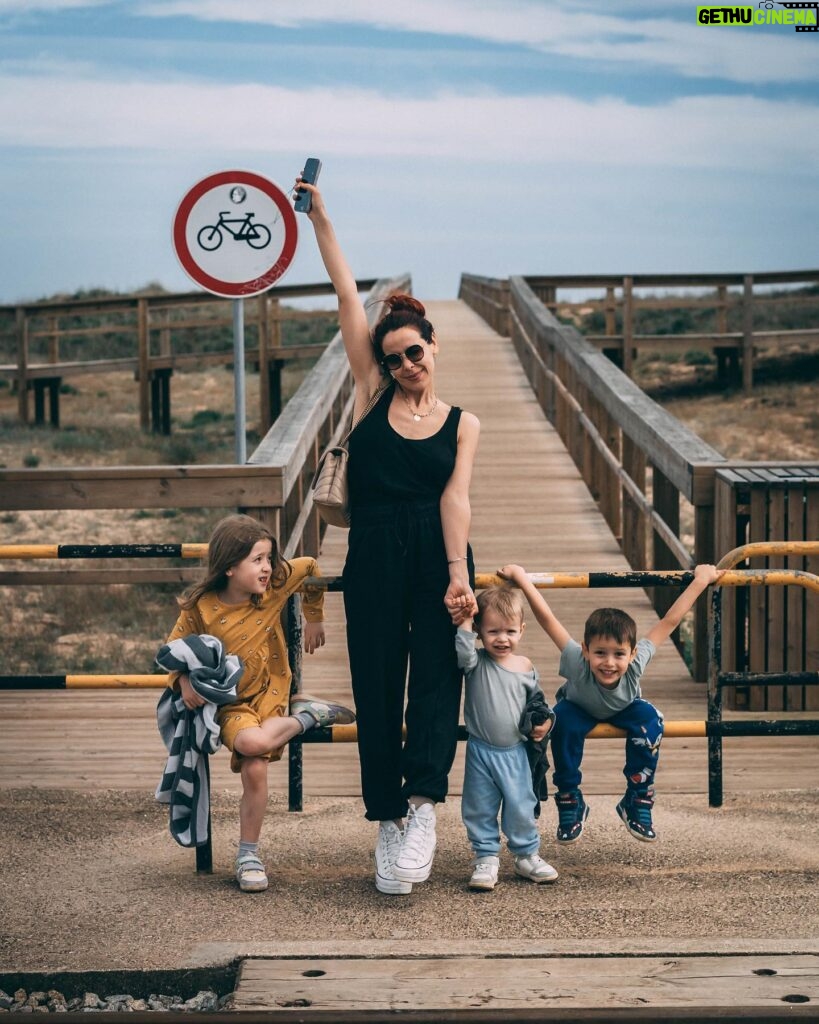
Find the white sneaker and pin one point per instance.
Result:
(386, 850)
(485, 873)
(535, 868)
(414, 860)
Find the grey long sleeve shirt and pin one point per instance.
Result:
(495, 697)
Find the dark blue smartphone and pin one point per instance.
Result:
(312, 169)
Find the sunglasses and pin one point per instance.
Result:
(395, 360)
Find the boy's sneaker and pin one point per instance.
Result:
(325, 712)
(572, 811)
(389, 843)
(535, 868)
(414, 860)
(635, 810)
(485, 873)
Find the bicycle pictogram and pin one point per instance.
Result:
(242, 229)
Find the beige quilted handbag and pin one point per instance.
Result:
(331, 494)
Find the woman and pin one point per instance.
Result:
(408, 569)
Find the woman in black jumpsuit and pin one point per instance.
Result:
(407, 578)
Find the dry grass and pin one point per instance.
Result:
(778, 421)
(85, 629)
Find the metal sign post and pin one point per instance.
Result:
(239, 379)
(235, 234)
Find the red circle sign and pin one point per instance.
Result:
(235, 233)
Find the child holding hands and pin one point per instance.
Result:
(602, 684)
(239, 602)
(501, 692)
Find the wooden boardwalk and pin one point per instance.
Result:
(529, 506)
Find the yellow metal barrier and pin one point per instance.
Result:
(761, 549)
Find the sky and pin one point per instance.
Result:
(493, 137)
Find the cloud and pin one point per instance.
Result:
(589, 32)
(704, 131)
(49, 6)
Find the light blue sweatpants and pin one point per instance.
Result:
(499, 779)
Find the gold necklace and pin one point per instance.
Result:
(418, 416)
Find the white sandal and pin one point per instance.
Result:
(250, 873)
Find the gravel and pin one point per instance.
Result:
(94, 882)
(55, 1001)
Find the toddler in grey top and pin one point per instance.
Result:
(501, 691)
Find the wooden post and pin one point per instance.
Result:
(747, 333)
(275, 387)
(722, 352)
(39, 401)
(590, 464)
(634, 523)
(161, 382)
(777, 599)
(611, 311)
(54, 400)
(54, 339)
(265, 417)
(165, 335)
(666, 502)
(143, 355)
(796, 623)
(722, 309)
(757, 600)
(704, 552)
(628, 326)
(611, 498)
(273, 379)
(502, 316)
(21, 330)
(812, 600)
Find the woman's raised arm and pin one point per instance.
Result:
(355, 331)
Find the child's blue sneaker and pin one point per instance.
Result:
(572, 811)
(635, 810)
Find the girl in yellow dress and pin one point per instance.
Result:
(240, 601)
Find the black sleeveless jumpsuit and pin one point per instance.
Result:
(395, 578)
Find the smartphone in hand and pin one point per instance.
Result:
(304, 200)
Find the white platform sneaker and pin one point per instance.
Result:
(386, 850)
(414, 860)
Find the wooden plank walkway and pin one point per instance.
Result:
(529, 506)
(543, 988)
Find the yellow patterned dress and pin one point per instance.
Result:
(256, 635)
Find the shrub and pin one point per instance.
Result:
(695, 357)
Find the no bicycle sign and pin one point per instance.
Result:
(235, 233)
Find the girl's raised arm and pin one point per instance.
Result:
(355, 331)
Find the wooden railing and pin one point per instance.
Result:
(637, 460)
(716, 294)
(274, 485)
(149, 328)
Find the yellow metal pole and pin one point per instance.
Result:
(760, 549)
(106, 682)
(770, 577)
(28, 550)
(542, 580)
(194, 551)
(602, 731)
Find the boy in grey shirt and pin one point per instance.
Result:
(602, 684)
(501, 686)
